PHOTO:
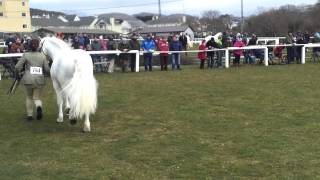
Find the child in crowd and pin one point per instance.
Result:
(202, 54)
(237, 53)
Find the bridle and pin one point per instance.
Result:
(41, 48)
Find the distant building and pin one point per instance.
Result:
(119, 22)
(15, 16)
(167, 30)
(171, 20)
(72, 31)
(173, 24)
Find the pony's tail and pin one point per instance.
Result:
(82, 91)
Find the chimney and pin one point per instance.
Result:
(184, 19)
(155, 18)
(112, 22)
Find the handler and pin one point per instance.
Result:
(34, 64)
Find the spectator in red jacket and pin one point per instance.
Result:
(202, 55)
(17, 47)
(163, 46)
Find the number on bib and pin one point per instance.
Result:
(36, 70)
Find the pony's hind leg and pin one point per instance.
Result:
(59, 100)
(73, 120)
(86, 127)
(67, 106)
(60, 106)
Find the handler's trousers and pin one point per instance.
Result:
(33, 94)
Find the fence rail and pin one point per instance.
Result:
(226, 54)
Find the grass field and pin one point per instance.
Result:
(246, 123)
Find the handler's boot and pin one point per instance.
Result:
(39, 113)
(39, 109)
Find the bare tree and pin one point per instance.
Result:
(210, 18)
(227, 21)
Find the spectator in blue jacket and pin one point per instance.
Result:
(148, 46)
(175, 46)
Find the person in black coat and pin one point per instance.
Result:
(211, 44)
(134, 44)
(184, 41)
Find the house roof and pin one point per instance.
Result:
(134, 22)
(174, 18)
(76, 30)
(84, 21)
(44, 22)
(70, 18)
(145, 14)
(55, 22)
(164, 29)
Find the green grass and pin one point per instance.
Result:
(246, 123)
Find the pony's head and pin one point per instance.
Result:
(51, 45)
(42, 46)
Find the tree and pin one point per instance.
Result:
(210, 18)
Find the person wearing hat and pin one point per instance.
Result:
(134, 45)
(124, 56)
(163, 46)
(175, 46)
(34, 64)
(148, 46)
(211, 44)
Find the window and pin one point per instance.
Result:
(25, 26)
(24, 14)
(1, 14)
(23, 3)
(0, 3)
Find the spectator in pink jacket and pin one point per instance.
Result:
(237, 53)
(103, 43)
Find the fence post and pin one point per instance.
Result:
(227, 58)
(137, 61)
(266, 57)
(303, 55)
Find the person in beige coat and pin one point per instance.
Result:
(35, 65)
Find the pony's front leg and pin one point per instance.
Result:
(86, 127)
(60, 106)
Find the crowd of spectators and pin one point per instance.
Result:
(169, 47)
(292, 43)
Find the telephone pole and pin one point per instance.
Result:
(242, 19)
(159, 7)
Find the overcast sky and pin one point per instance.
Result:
(194, 7)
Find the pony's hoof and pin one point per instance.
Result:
(59, 120)
(73, 122)
(86, 130)
(67, 111)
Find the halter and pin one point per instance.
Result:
(41, 48)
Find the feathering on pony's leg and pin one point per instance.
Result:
(59, 100)
(86, 127)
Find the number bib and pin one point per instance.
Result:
(36, 70)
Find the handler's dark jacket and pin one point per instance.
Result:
(134, 44)
(33, 61)
(122, 46)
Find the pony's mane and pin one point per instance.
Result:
(57, 42)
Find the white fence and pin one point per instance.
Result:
(226, 50)
(118, 53)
